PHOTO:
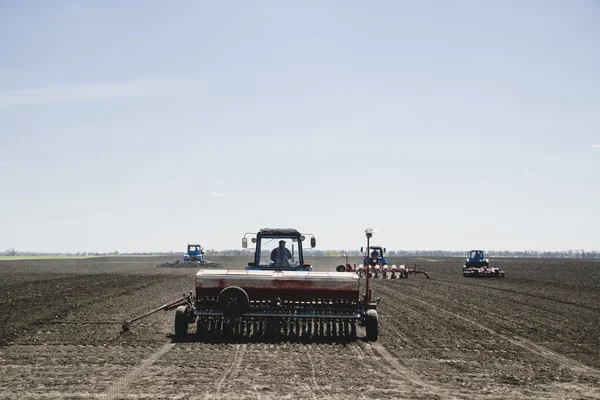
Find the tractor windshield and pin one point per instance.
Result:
(279, 252)
(376, 252)
(476, 254)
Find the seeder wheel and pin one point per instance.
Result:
(372, 325)
(233, 301)
(181, 321)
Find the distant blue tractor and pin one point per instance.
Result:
(194, 257)
(477, 265)
(195, 253)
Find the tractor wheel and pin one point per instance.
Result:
(181, 322)
(340, 268)
(233, 301)
(372, 325)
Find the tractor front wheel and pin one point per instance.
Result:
(372, 325)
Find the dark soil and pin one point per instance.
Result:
(534, 334)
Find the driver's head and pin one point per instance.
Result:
(282, 243)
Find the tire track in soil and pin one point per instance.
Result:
(238, 356)
(517, 340)
(407, 340)
(357, 350)
(118, 388)
(313, 376)
(556, 313)
(368, 350)
(390, 328)
(405, 372)
(520, 293)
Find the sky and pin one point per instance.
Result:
(142, 126)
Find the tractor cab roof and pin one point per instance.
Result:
(375, 247)
(289, 232)
(477, 254)
(273, 233)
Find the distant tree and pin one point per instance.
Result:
(11, 252)
(115, 253)
(332, 253)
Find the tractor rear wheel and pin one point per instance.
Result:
(181, 322)
(372, 325)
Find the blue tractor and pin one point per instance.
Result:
(477, 265)
(195, 253)
(192, 258)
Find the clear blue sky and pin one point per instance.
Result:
(140, 126)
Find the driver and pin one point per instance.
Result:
(281, 255)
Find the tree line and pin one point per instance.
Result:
(336, 253)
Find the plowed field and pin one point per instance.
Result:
(532, 335)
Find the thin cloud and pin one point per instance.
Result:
(94, 91)
(529, 174)
(86, 221)
(217, 194)
(595, 146)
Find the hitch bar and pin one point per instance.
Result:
(185, 300)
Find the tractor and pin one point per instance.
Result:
(477, 265)
(194, 257)
(374, 258)
(276, 295)
(195, 252)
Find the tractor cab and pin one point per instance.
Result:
(476, 254)
(377, 254)
(278, 249)
(476, 258)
